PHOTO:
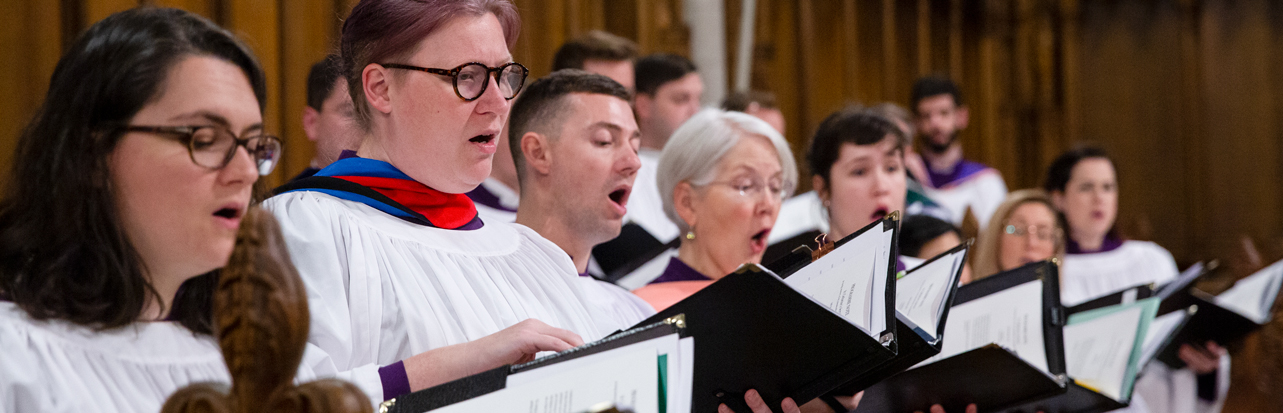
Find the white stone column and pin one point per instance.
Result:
(707, 22)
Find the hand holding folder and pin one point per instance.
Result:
(1221, 318)
(645, 370)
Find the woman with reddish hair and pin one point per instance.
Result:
(409, 288)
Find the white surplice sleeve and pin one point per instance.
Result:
(991, 190)
(1168, 390)
(56, 366)
(346, 303)
(617, 308)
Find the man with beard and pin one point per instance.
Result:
(574, 143)
(955, 183)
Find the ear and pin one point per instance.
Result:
(684, 203)
(310, 118)
(1058, 200)
(641, 105)
(375, 80)
(535, 148)
(817, 183)
(961, 118)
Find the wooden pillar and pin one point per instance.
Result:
(258, 23)
(890, 52)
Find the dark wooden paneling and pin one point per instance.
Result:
(308, 33)
(29, 50)
(1184, 93)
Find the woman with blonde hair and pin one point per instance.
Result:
(1024, 229)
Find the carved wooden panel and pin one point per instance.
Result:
(261, 323)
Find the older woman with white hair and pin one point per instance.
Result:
(722, 177)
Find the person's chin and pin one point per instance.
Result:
(217, 254)
(474, 175)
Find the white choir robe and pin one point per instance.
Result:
(382, 289)
(58, 366)
(645, 206)
(1159, 388)
(982, 191)
(800, 214)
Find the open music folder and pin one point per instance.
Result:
(923, 297)
(1103, 356)
(648, 369)
(1002, 347)
(1222, 318)
(803, 336)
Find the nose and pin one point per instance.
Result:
(881, 182)
(768, 203)
(693, 108)
(240, 171)
(628, 161)
(492, 100)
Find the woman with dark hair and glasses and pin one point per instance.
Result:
(127, 190)
(404, 280)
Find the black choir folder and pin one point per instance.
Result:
(1095, 338)
(1222, 318)
(1003, 348)
(829, 322)
(632, 248)
(924, 296)
(671, 374)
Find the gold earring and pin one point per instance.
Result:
(690, 235)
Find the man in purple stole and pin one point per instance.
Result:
(955, 183)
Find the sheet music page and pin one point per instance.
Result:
(1097, 351)
(1011, 318)
(920, 294)
(628, 379)
(1253, 295)
(1161, 328)
(680, 391)
(843, 280)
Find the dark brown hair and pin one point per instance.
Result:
(378, 30)
(1062, 169)
(541, 106)
(321, 79)
(655, 70)
(934, 86)
(63, 252)
(854, 125)
(739, 101)
(595, 44)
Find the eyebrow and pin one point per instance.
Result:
(749, 168)
(861, 158)
(613, 127)
(216, 119)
